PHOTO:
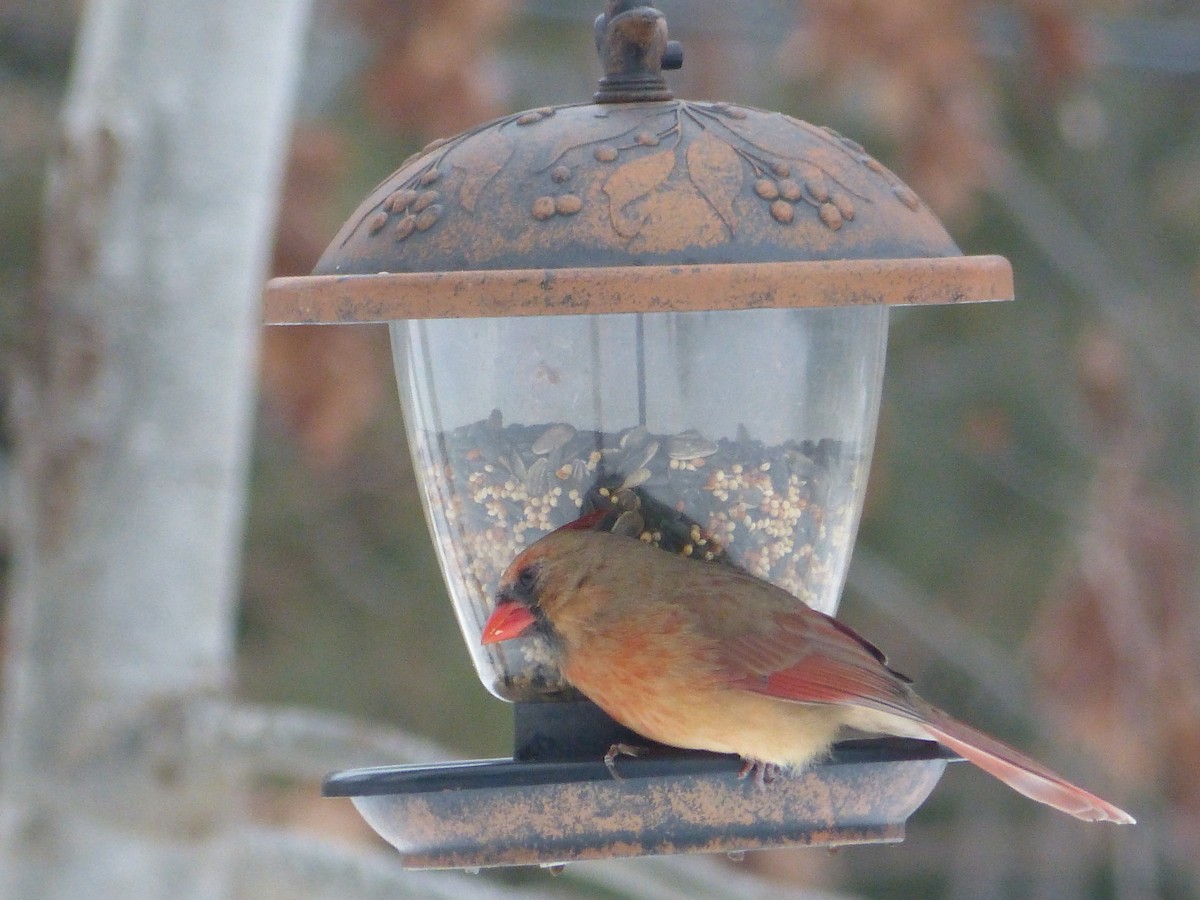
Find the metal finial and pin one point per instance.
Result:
(631, 38)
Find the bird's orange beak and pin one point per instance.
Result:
(508, 620)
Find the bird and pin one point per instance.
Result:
(702, 655)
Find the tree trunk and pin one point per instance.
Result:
(132, 418)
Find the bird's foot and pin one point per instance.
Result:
(764, 772)
(610, 758)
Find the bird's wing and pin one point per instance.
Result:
(804, 656)
(809, 657)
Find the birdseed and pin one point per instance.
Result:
(785, 513)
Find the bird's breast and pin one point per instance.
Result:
(661, 679)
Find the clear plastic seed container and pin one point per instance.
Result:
(736, 438)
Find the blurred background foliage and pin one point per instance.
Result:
(1028, 550)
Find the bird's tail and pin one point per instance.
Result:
(1018, 771)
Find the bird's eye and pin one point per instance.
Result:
(526, 580)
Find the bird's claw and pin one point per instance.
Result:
(764, 773)
(619, 749)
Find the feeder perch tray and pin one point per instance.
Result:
(563, 806)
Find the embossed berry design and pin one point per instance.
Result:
(617, 162)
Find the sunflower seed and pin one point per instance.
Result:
(634, 478)
(641, 458)
(634, 437)
(690, 445)
(626, 499)
(629, 523)
(579, 473)
(516, 465)
(553, 438)
(537, 479)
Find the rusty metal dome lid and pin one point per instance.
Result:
(635, 188)
(635, 183)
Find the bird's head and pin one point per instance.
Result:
(543, 591)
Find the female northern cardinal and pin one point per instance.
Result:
(702, 656)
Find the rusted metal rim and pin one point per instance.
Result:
(503, 812)
(344, 299)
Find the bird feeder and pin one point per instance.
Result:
(673, 310)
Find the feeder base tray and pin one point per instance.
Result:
(508, 812)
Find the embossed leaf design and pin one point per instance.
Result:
(775, 135)
(480, 159)
(717, 172)
(632, 181)
(587, 131)
(779, 140)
